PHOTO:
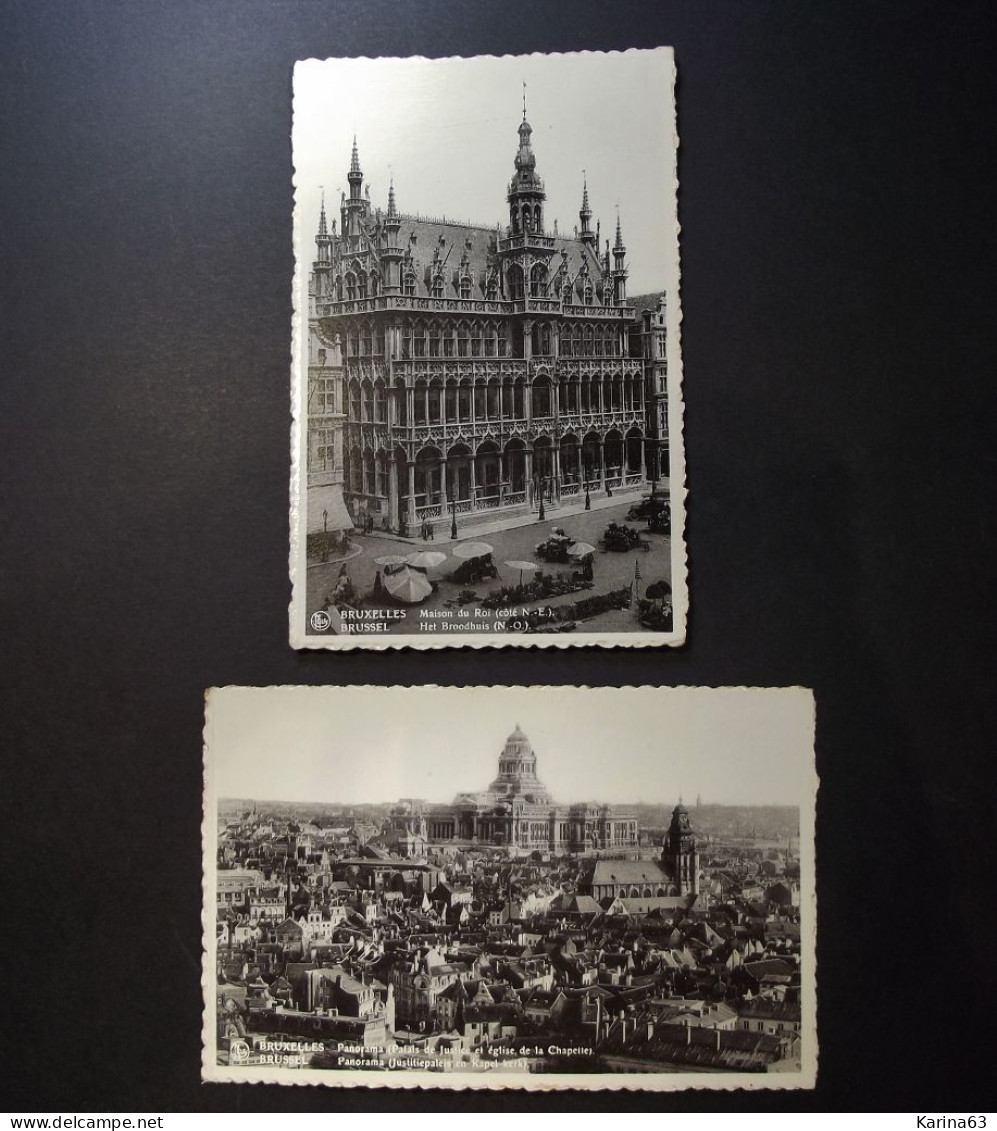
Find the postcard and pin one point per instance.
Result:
(522, 887)
(486, 380)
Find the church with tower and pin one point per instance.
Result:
(471, 372)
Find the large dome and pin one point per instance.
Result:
(517, 774)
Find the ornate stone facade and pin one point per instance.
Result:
(467, 370)
(516, 812)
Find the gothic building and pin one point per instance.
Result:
(674, 873)
(516, 812)
(475, 370)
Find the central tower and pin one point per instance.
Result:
(517, 776)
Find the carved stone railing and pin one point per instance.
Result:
(569, 489)
(634, 479)
(526, 240)
(460, 368)
(514, 497)
(340, 307)
(618, 313)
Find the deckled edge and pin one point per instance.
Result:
(805, 1079)
(299, 639)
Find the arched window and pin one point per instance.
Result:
(516, 287)
(339, 288)
(351, 286)
(588, 294)
(538, 280)
(409, 283)
(361, 285)
(438, 285)
(434, 340)
(477, 340)
(465, 286)
(537, 219)
(492, 288)
(463, 340)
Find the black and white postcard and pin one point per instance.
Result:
(494, 887)
(487, 442)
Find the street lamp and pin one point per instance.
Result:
(543, 483)
(325, 535)
(453, 521)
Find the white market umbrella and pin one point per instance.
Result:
(408, 586)
(522, 567)
(425, 559)
(390, 560)
(471, 550)
(581, 550)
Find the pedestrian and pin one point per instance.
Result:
(587, 572)
(378, 584)
(432, 531)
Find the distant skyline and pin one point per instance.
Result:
(357, 745)
(445, 130)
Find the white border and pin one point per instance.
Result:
(298, 565)
(411, 1079)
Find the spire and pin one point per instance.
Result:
(392, 209)
(323, 227)
(524, 100)
(619, 245)
(355, 159)
(585, 214)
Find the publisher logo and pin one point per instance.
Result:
(238, 1052)
(320, 620)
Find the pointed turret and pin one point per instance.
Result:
(355, 207)
(391, 254)
(619, 266)
(323, 254)
(585, 215)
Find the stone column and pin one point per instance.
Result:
(557, 469)
(443, 481)
(411, 495)
(393, 512)
(474, 477)
(528, 474)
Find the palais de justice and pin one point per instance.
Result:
(474, 369)
(516, 812)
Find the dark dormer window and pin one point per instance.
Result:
(465, 287)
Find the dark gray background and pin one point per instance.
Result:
(837, 209)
